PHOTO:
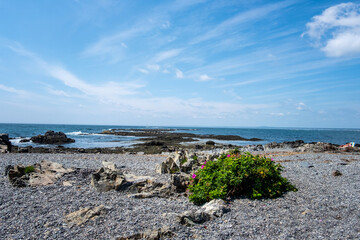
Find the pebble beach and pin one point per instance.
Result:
(324, 207)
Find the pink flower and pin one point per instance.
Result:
(202, 166)
(193, 176)
(205, 162)
(228, 155)
(272, 159)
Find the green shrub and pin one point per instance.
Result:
(236, 174)
(29, 169)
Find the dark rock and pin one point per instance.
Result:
(24, 140)
(290, 144)
(210, 143)
(5, 144)
(52, 137)
(336, 173)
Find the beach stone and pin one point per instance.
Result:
(5, 144)
(85, 214)
(337, 173)
(52, 137)
(39, 174)
(150, 234)
(213, 209)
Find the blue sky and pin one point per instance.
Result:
(285, 63)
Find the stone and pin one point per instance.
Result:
(150, 234)
(180, 182)
(85, 214)
(5, 144)
(52, 137)
(106, 179)
(39, 174)
(109, 177)
(213, 209)
(337, 173)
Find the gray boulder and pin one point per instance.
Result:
(213, 209)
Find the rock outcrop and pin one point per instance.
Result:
(5, 144)
(52, 137)
(39, 174)
(213, 209)
(84, 215)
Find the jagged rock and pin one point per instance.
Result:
(317, 147)
(286, 145)
(85, 214)
(39, 174)
(5, 144)
(52, 137)
(108, 178)
(154, 234)
(253, 148)
(170, 165)
(213, 209)
(180, 182)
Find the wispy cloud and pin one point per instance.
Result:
(337, 30)
(179, 73)
(113, 47)
(125, 96)
(242, 18)
(12, 90)
(167, 55)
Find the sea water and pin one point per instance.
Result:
(89, 136)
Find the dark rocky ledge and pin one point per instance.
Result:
(52, 137)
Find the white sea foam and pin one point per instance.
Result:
(77, 133)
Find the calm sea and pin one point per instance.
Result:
(87, 136)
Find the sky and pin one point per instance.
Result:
(291, 63)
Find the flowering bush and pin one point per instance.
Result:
(236, 174)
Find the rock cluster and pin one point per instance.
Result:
(52, 137)
(5, 144)
(185, 161)
(39, 174)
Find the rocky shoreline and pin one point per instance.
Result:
(325, 207)
(81, 194)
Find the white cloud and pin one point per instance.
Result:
(12, 90)
(204, 78)
(113, 47)
(167, 55)
(153, 67)
(125, 97)
(242, 18)
(301, 106)
(337, 30)
(60, 93)
(179, 73)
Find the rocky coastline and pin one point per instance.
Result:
(157, 141)
(64, 193)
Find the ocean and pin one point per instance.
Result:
(88, 136)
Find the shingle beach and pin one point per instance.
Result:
(324, 207)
